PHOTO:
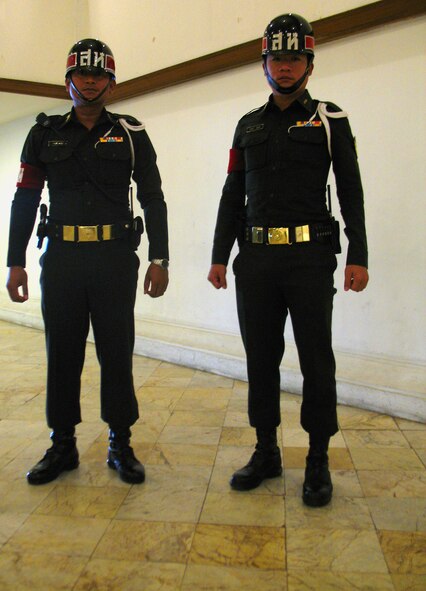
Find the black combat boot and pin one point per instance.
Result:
(264, 463)
(317, 488)
(122, 458)
(63, 455)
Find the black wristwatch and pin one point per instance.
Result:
(164, 263)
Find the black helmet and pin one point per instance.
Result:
(288, 33)
(91, 55)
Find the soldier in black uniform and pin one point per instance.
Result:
(274, 203)
(90, 267)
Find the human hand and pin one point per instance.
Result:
(17, 278)
(356, 278)
(156, 281)
(217, 276)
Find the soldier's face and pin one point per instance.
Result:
(287, 68)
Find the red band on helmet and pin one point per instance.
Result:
(236, 160)
(30, 177)
(309, 42)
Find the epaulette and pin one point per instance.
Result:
(257, 110)
(130, 120)
(332, 107)
(55, 121)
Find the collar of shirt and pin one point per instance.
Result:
(304, 100)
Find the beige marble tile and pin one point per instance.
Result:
(239, 508)
(14, 447)
(82, 501)
(93, 473)
(239, 546)
(328, 581)
(170, 493)
(406, 425)
(204, 379)
(178, 453)
(38, 572)
(355, 418)
(70, 536)
(125, 575)
(21, 497)
(245, 436)
(21, 429)
(422, 455)
(153, 398)
(205, 399)
(398, 514)
(417, 439)
(409, 582)
(375, 438)
(146, 541)
(9, 524)
(380, 458)
(190, 435)
(405, 552)
(236, 418)
(196, 418)
(342, 513)
(290, 419)
(295, 457)
(338, 550)
(387, 483)
(297, 437)
(216, 578)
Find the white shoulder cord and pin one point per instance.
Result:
(126, 126)
(324, 113)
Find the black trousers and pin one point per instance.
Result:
(83, 283)
(272, 281)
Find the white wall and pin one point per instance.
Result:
(379, 78)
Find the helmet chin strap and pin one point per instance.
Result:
(86, 100)
(290, 89)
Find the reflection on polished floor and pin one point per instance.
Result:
(184, 529)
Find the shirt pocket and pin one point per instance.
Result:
(114, 160)
(255, 147)
(55, 151)
(307, 142)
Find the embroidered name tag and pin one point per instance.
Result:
(309, 123)
(253, 128)
(110, 139)
(52, 143)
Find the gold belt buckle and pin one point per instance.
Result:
(302, 233)
(278, 236)
(87, 234)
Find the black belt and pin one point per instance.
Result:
(97, 233)
(294, 234)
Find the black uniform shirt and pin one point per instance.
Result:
(88, 175)
(279, 167)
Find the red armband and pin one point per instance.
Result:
(236, 160)
(30, 177)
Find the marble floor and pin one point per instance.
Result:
(184, 529)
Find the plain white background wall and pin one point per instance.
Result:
(378, 77)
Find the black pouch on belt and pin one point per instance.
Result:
(136, 231)
(335, 236)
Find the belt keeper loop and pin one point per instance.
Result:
(257, 235)
(302, 233)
